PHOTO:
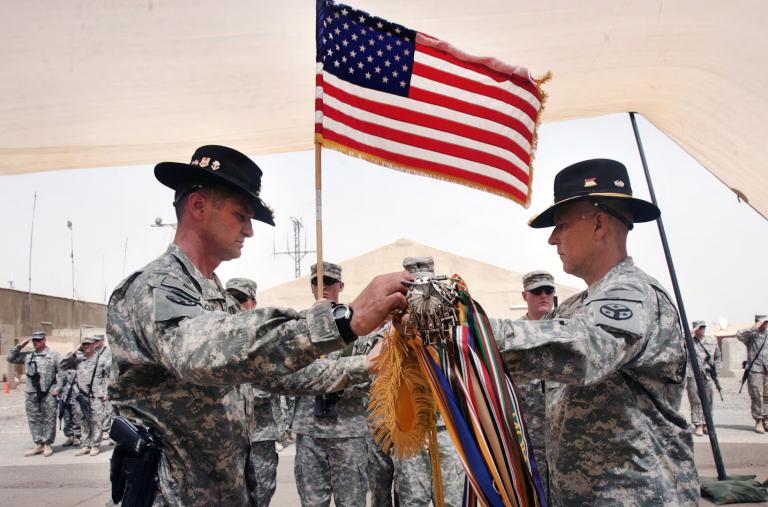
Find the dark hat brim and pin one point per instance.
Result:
(642, 211)
(175, 175)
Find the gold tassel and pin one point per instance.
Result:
(401, 410)
(437, 474)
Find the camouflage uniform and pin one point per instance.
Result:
(331, 455)
(533, 394)
(41, 415)
(263, 431)
(614, 432)
(708, 345)
(757, 384)
(178, 356)
(93, 375)
(71, 418)
(381, 472)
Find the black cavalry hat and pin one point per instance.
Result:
(218, 165)
(601, 180)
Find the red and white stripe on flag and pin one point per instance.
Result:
(451, 116)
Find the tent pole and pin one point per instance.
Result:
(697, 373)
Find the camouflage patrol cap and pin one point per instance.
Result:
(98, 337)
(420, 266)
(330, 270)
(536, 279)
(697, 324)
(760, 318)
(87, 340)
(38, 335)
(244, 286)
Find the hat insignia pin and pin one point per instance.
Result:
(619, 183)
(215, 165)
(195, 162)
(205, 161)
(590, 182)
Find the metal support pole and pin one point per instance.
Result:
(689, 345)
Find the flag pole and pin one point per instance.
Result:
(319, 217)
(697, 373)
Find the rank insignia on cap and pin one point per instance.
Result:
(588, 182)
(619, 183)
(204, 161)
(215, 165)
(195, 162)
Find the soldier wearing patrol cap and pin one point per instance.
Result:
(42, 368)
(707, 353)
(244, 291)
(259, 409)
(615, 435)
(539, 296)
(180, 349)
(757, 366)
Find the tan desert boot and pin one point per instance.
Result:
(38, 449)
(47, 450)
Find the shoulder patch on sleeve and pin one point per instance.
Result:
(171, 305)
(625, 315)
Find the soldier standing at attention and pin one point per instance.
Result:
(615, 435)
(92, 383)
(42, 368)
(330, 428)
(259, 409)
(757, 363)
(539, 296)
(707, 353)
(69, 410)
(179, 353)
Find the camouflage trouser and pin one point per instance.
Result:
(107, 425)
(758, 394)
(262, 483)
(41, 417)
(413, 476)
(380, 474)
(72, 420)
(92, 433)
(326, 466)
(534, 414)
(697, 411)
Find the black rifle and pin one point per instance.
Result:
(34, 377)
(133, 466)
(709, 367)
(751, 364)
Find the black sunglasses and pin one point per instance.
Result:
(327, 281)
(239, 297)
(539, 290)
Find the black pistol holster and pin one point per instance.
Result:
(134, 463)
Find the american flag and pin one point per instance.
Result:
(403, 99)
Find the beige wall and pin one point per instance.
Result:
(64, 320)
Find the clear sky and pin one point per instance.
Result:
(718, 244)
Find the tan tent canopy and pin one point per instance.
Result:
(89, 83)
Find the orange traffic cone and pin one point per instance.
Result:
(7, 389)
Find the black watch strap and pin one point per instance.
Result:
(344, 325)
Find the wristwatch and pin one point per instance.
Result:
(342, 314)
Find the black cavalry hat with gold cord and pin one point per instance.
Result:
(601, 180)
(217, 165)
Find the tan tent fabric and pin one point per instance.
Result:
(497, 289)
(88, 83)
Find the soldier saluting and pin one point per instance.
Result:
(177, 352)
(42, 367)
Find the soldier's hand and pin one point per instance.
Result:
(24, 343)
(55, 393)
(383, 295)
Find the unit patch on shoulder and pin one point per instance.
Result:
(621, 314)
(174, 299)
